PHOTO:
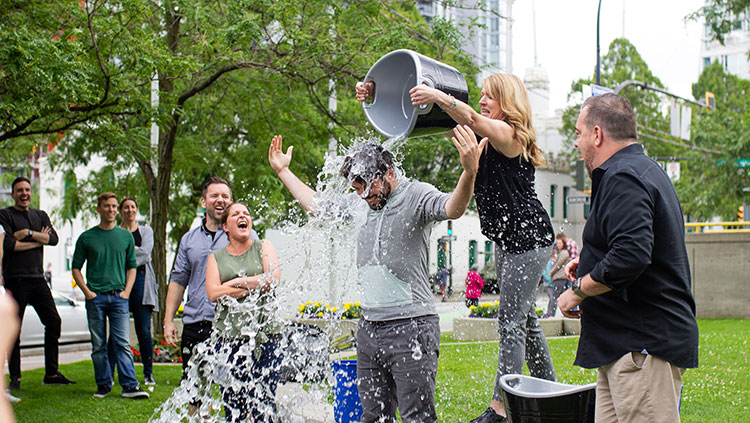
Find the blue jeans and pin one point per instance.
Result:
(115, 309)
(142, 322)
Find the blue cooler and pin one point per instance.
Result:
(346, 405)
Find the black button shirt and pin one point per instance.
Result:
(634, 242)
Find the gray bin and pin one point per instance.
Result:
(390, 112)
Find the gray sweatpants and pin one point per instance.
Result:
(396, 368)
(521, 337)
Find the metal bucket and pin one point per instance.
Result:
(390, 112)
(533, 400)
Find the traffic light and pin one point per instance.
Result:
(740, 214)
(450, 227)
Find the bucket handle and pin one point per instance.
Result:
(365, 104)
(424, 109)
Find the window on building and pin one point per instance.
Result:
(706, 62)
(565, 202)
(472, 252)
(488, 251)
(552, 195)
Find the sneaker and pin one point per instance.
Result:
(102, 391)
(489, 416)
(134, 392)
(57, 379)
(12, 399)
(14, 384)
(149, 380)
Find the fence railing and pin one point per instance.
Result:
(700, 227)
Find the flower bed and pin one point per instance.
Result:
(163, 353)
(318, 310)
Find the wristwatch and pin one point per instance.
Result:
(577, 289)
(31, 232)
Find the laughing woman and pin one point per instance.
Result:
(241, 279)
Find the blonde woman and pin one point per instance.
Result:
(511, 215)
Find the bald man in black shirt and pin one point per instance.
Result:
(632, 278)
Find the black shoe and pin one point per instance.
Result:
(149, 380)
(57, 379)
(14, 384)
(489, 416)
(134, 392)
(102, 391)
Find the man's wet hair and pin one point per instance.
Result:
(369, 161)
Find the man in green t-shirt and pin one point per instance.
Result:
(109, 254)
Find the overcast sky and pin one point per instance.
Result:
(566, 39)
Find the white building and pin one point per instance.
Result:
(490, 46)
(733, 54)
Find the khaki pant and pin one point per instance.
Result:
(638, 388)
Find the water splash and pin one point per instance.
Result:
(317, 262)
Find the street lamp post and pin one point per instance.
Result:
(598, 56)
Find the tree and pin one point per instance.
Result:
(622, 63)
(712, 183)
(722, 16)
(230, 75)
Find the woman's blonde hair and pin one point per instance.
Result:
(508, 90)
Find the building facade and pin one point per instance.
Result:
(491, 46)
(732, 55)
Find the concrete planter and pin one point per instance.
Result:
(475, 329)
(335, 328)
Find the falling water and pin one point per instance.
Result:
(317, 260)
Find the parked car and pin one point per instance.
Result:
(75, 327)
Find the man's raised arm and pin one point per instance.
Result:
(279, 161)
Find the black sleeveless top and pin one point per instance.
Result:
(509, 211)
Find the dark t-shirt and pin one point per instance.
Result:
(29, 263)
(509, 211)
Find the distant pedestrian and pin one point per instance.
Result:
(557, 275)
(571, 244)
(474, 285)
(632, 279)
(442, 277)
(109, 254)
(27, 232)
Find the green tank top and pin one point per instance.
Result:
(255, 315)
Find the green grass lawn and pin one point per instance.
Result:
(718, 391)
